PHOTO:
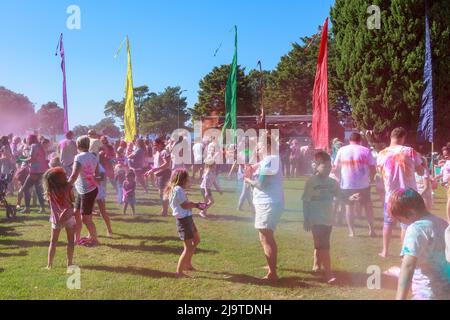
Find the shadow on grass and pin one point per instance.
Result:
(24, 218)
(17, 254)
(155, 248)
(135, 219)
(147, 238)
(284, 282)
(27, 243)
(8, 231)
(2, 270)
(351, 279)
(132, 270)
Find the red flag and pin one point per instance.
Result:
(320, 134)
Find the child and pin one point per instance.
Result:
(129, 192)
(59, 196)
(318, 196)
(182, 210)
(120, 173)
(20, 176)
(101, 198)
(209, 180)
(424, 267)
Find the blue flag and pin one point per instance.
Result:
(426, 122)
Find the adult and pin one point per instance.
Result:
(162, 172)
(295, 158)
(197, 150)
(95, 144)
(84, 173)
(38, 165)
(67, 150)
(107, 158)
(285, 161)
(268, 200)
(136, 162)
(7, 163)
(398, 165)
(356, 168)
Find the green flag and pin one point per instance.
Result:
(231, 93)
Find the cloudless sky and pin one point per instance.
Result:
(172, 43)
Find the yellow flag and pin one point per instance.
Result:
(130, 115)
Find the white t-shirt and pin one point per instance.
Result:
(95, 146)
(177, 198)
(425, 240)
(445, 170)
(397, 166)
(197, 149)
(86, 180)
(354, 162)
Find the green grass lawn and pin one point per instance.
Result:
(139, 261)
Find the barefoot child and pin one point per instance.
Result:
(120, 174)
(59, 196)
(209, 180)
(101, 198)
(424, 268)
(129, 192)
(182, 211)
(318, 196)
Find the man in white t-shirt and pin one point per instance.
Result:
(197, 150)
(67, 150)
(398, 165)
(356, 167)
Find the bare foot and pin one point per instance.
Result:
(270, 277)
(331, 280)
(351, 235)
(48, 268)
(382, 254)
(316, 269)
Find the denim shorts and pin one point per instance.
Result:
(186, 228)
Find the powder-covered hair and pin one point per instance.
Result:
(402, 201)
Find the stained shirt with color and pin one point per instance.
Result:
(354, 162)
(398, 166)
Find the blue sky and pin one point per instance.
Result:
(172, 43)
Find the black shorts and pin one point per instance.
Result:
(321, 234)
(365, 195)
(85, 202)
(162, 179)
(186, 228)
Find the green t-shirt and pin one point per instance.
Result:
(319, 193)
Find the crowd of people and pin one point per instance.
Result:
(72, 176)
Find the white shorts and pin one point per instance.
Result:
(68, 224)
(267, 216)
